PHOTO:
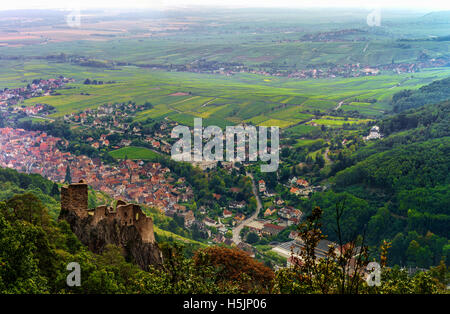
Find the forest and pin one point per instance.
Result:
(402, 182)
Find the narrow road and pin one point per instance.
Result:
(339, 105)
(238, 228)
(43, 118)
(327, 159)
(208, 102)
(365, 48)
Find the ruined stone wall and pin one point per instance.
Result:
(145, 227)
(75, 198)
(101, 212)
(127, 227)
(132, 215)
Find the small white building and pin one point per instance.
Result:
(374, 133)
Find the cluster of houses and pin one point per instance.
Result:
(264, 228)
(285, 215)
(145, 183)
(30, 110)
(109, 116)
(345, 70)
(301, 187)
(37, 88)
(115, 118)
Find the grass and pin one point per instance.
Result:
(134, 153)
(168, 234)
(300, 130)
(308, 142)
(337, 121)
(276, 122)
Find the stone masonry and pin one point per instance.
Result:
(126, 226)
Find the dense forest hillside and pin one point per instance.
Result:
(428, 94)
(13, 182)
(398, 188)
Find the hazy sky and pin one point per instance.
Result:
(158, 4)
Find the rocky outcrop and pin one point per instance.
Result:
(126, 227)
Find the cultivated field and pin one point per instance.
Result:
(134, 153)
(219, 100)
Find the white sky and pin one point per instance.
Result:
(431, 5)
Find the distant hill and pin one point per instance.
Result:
(437, 17)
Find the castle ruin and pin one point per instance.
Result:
(126, 226)
(75, 198)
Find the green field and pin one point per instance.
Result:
(300, 130)
(134, 153)
(308, 142)
(219, 100)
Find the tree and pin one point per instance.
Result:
(229, 234)
(20, 270)
(320, 161)
(195, 275)
(340, 271)
(55, 190)
(236, 266)
(27, 207)
(252, 238)
(68, 178)
(411, 252)
(446, 253)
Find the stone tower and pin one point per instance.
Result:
(75, 198)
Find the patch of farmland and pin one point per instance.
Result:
(134, 153)
(291, 113)
(362, 104)
(337, 122)
(321, 104)
(156, 112)
(255, 109)
(276, 122)
(364, 110)
(194, 103)
(183, 118)
(301, 130)
(206, 112)
(257, 120)
(179, 94)
(309, 142)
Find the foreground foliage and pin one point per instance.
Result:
(35, 250)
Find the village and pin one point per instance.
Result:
(147, 183)
(36, 152)
(313, 71)
(38, 87)
(140, 182)
(117, 119)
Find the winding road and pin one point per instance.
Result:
(238, 228)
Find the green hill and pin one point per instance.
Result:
(398, 188)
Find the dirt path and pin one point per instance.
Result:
(339, 105)
(208, 102)
(327, 159)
